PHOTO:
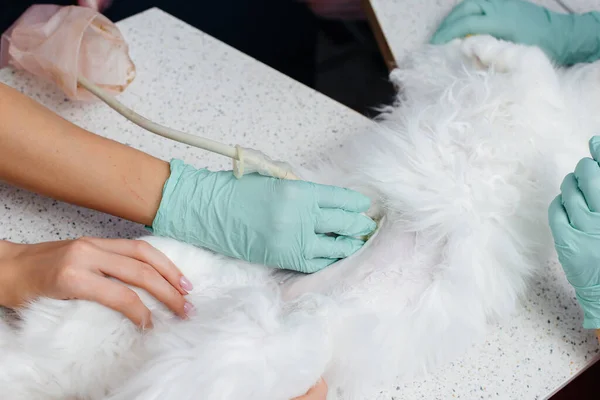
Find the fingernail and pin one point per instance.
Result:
(189, 309)
(186, 284)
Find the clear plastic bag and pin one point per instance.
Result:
(59, 44)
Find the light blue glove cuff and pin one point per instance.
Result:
(589, 300)
(163, 224)
(168, 188)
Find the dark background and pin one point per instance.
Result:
(337, 58)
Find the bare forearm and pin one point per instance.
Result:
(43, 153)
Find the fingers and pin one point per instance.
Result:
(559, 222)
(115, 296)
(466, 26)
(574, 203)
(326, 250)
(570, 244)
(145, 252)
(594, 146)
(332, 220)
(317, 264)
(587, 174)
(345, 199)
(333, 247)
(465, 9)
(580, 195)
(144, 276)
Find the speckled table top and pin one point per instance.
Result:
(192, 82)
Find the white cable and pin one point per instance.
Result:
(259, 161)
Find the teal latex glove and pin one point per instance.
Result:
(278, 223)
(566, 38)
(575, 222)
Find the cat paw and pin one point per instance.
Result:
(489, 52)
(486, 52)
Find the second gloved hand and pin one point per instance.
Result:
(575, 222)
(278, 223)
(566, 38)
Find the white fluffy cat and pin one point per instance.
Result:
(461, 170)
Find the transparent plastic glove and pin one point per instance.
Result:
(575, 222)
(59, 44)
(274, 222)
(566, 38)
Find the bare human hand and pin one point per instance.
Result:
(79, 269)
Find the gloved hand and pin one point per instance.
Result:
(566, 38)
(278, 223)
(575, 222)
